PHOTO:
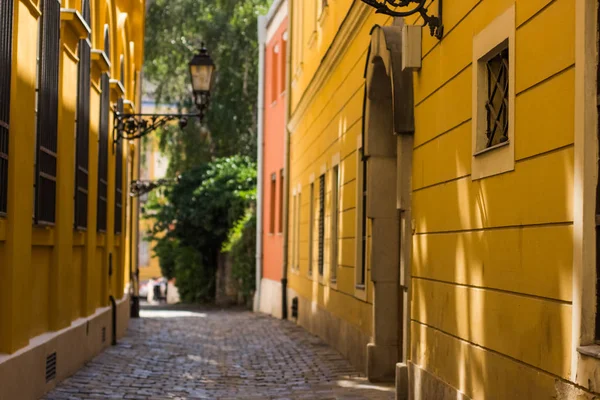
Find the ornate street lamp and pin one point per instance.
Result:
(134, 126)
(141, 187)
(390, 7)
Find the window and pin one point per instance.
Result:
(119, 180)
(6, 21)
(321, 223)
(297, 242)
(361, 220)
(83, 127)
(103, 144)
(293, 231)
(282, 62)
(122, 70)
(275, 73)
(497, 99)
(272, 205)
(494, 97)
(47, 108)
(281, 190)
(335, 210)
(298, 36)
(311, 227)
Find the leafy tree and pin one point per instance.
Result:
(193, 220)
(241, 246)
(175, 30)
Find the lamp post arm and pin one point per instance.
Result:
(134, 126)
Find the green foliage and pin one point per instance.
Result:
(193, 220)
(166, 250)
(174, 31)
(241, 246)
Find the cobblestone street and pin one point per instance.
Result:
(174, 354)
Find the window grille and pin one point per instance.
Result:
(311, 227)
(272, 205)
(281, 190)
(497, 100)
(335, 204)
(6, 21)
(47, 123)
(83, 128)
(119, 180)
(321, 222)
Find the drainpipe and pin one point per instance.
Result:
(286, 180)
(262, 33)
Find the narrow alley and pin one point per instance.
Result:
(210, 354)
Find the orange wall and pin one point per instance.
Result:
(273, 150)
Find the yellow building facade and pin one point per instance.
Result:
(68, 241)
(442, 195)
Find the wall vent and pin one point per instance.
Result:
(51, 367)
(103, 334)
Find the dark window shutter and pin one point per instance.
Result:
(103, 153)
(83, 129)
(103, 145)
(47, 123)
(321, 222)
(119, 180)
(6, 21)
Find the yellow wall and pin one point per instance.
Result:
(492, 258)
(492, 284)
(329, 126)
(53, 275)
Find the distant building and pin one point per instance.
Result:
(273, 31)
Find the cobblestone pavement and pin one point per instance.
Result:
(174, 354)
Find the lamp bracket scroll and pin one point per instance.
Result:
(411, 7)
(134, 126)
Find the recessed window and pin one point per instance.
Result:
(281, 189)
(496, 105)
(494, 98)
(335, 210)
(321, 223)
(311, 227)
(272, 198)
(361, 220)
(6, 24)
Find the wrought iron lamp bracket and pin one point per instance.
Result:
(140, 187)
(389, 7)
(134, 126)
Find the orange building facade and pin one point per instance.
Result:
(273, 34)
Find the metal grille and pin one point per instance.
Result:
(598, 200)
(51, 367)
(83, 129)
(103, 153)
(497, 103)
(364, 233)
(311, 225)
(6, 21)
(119, 181)
(321, 222)
(335, 180)
(47, 123)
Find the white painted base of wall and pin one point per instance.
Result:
(22, 374)
(270, 298)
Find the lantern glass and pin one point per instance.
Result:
(201, 77)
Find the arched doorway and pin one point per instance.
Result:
(388, 145)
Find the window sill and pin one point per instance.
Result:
(590, 351)
(498, 146)
(312, 40)
(324, 14)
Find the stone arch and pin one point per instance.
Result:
(388, 128)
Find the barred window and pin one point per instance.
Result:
(281, 190)
(335, 209)
(6, 21)
(47, 123)
(272, 198)
(361, 220)
(321, 223)
(83, 127)
(103, 145)
(119, 180)
(311, 227)
(497, 99)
